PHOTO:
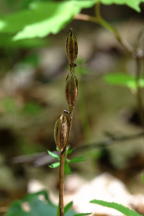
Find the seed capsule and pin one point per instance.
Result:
(61, 131)
(71, 48)
(71, 89)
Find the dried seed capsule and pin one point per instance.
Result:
(61, 131)
(71, 48)
(71, 89)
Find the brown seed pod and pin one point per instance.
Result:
(61, 131)
(71, 48)
(71, 89)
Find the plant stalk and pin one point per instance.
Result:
(61, 171)
(99, 20)
(61, 184)
(64, 124)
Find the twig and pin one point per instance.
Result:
(99, 20)
(42, 159)
(61, 183)
(64, 122)
(112, 139)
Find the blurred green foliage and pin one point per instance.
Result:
(123, 80)
(32, 108)
(36, 204)
(8, 104)
(124, 210)
(41, 18)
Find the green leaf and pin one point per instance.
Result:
(69, 150)
(35, 204)
(54, 165)
(123, 80)
(76, 159)
(54, 155)
(43, 18)
(67, 169)
(32, 205)
(124, 210)
(68, 207)
(82, 214)
(118, 78)
(132, 83)
(134, 4)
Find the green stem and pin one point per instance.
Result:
(99, 20)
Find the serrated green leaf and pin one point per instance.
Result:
(68, 207)
(43, 18)
(134, 4)
(54, 155)
(46, 18)
(124, 210)
(54, 165)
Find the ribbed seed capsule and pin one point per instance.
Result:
(71, 89)
(61, 131)
(71, 48)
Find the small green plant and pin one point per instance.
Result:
(64, 122)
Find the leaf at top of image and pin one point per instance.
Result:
(42, 18)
